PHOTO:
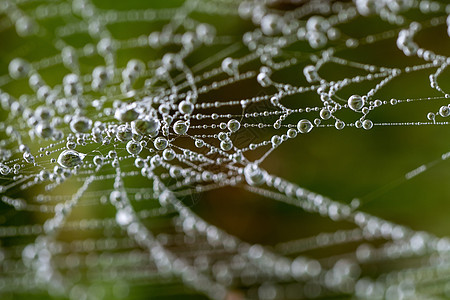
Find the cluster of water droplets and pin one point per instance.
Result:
(155, 119)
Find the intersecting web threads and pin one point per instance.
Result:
(116, 115)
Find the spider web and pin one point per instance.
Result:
(118, 117)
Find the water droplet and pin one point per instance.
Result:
(199, 143)
(222, 136)
(311, 74)
(444, 111)
(271, 24)
(180, 127)
(339, 125)
(134, 147)
(233, 125)
(126, 114)
(325, 114)
(276, 141)
(43, 113)
(44, 130)
(168, 154)
(98, 160)
(124, 133)
(229, 66)
(71, 145)
(160, 143)
(291, 133)
(226, 145)
(355, 102)
(18, 68)
(264, 79)
(304, 126)
(254, 175)
(185, 107)
(29, 158)
(367, 124)
(4, 169)
(80, 125)
(145, 126)
(123, 217)
(70, 158)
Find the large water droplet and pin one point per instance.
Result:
(80, 125)
(134, 147)
(355, 102)
(70, 158)
(180, 127)
(304, 126)
(124, 217)
(254, 175)
(145, 126)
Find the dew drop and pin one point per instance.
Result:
(180, 127)
(355, 102)
(70, 158)
(80, 125)
(4, 169)
(199, 143)
(124, 217)
(229, 66)
(126, 114)
(264, 79)
(254, 175)
(367, 124)
(124, 133)
(325, 114)
(160, 143)
(28, 157)
(233, 125)
(44, 130)
(145, 126)
(98, 160)
(134, 148)
(168, 154)
(304, 126)
(18, 68)
(339, 125)
(276, 141)
(444, 111)
(226, 145)
(186, 107)
(291, 133)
